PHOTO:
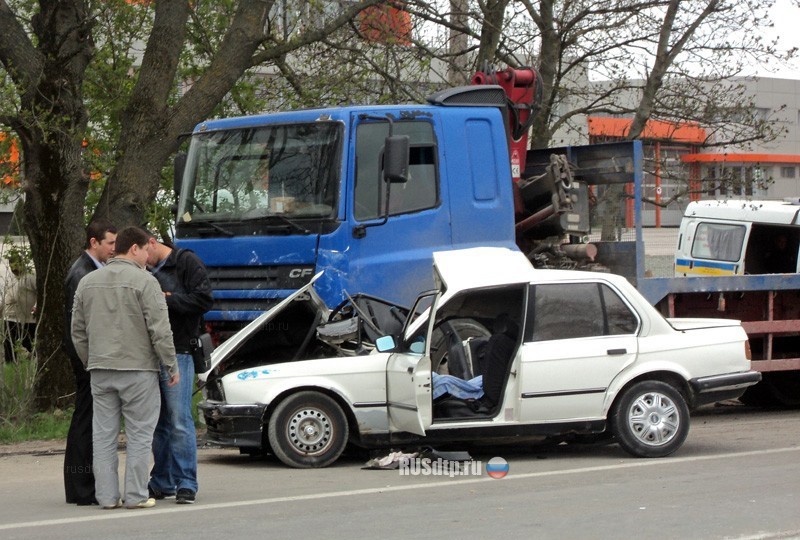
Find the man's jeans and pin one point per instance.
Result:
(175, 439)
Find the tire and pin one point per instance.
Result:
(759, 395)
(650, 419)
(783, 387)
(465, 328)
(308, 430)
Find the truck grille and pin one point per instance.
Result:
(247, 278)
(251, 285)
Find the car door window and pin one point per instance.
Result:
(620, 319)
(576, 310)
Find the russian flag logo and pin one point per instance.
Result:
(497, 467)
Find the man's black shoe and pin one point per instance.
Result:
(185, 496)
(158, 495)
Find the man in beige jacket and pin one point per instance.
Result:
(121, 332)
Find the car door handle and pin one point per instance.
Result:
(612, 352)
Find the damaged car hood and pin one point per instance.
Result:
(237, 340)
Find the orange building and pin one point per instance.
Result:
(665, 144)
(9, 160)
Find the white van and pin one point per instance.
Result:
(736, 237)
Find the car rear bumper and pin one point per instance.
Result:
(719, 387)
(233, 425)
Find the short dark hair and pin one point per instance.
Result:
(129, 236)
(97, 229)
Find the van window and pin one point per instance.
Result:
(772, 249)
(718, 241)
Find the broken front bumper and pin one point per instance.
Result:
(720, 387)
(233, 425)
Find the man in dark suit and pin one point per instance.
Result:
(101, 236)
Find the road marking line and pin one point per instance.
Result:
(122, 514)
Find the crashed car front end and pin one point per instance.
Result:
(233, 425)
(331, 350)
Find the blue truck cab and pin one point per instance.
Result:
(268, 201)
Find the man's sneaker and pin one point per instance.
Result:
(185, 496)
(158, 495)
(149, 503)
(117, 504)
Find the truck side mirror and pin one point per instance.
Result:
(395, 159)
(179, 165)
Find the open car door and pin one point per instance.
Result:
(408, 378)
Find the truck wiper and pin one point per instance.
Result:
(216, 227)
(293, 224)
(284, 220)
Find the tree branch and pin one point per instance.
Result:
(17, 52)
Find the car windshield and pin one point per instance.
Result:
(280, 171)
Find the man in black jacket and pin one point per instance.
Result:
(101, 236)
(184, 280)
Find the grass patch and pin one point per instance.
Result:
(39, 426)
(18, 421)
(19, 424)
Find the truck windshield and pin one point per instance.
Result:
(283, 172)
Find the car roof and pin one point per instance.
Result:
(777, 212)
(492, 266)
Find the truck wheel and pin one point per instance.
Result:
(464, 328)
(759, 395)
(650, 419)
(784, 387)
(308, 430)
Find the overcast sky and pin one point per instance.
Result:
(786, 15)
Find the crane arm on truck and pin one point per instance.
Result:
(548, 202)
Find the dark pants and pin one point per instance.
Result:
(78, 475)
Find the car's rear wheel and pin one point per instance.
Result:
(308, 430)
(650, 419)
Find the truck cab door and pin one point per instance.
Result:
(408, 377)
(390, 255)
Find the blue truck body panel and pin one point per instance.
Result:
(392, 259)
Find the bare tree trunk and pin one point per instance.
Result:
(491, 30)
(549, 68)
(50, 128)
(669, 46)
(458, 43)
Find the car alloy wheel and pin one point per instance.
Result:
(650, 419)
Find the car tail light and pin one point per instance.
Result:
(747, 352)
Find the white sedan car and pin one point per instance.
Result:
(536, 354)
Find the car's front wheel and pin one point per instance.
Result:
(308, 430)
(651, 419)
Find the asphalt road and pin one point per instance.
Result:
(737, 476)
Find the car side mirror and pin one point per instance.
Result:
(385, 344)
